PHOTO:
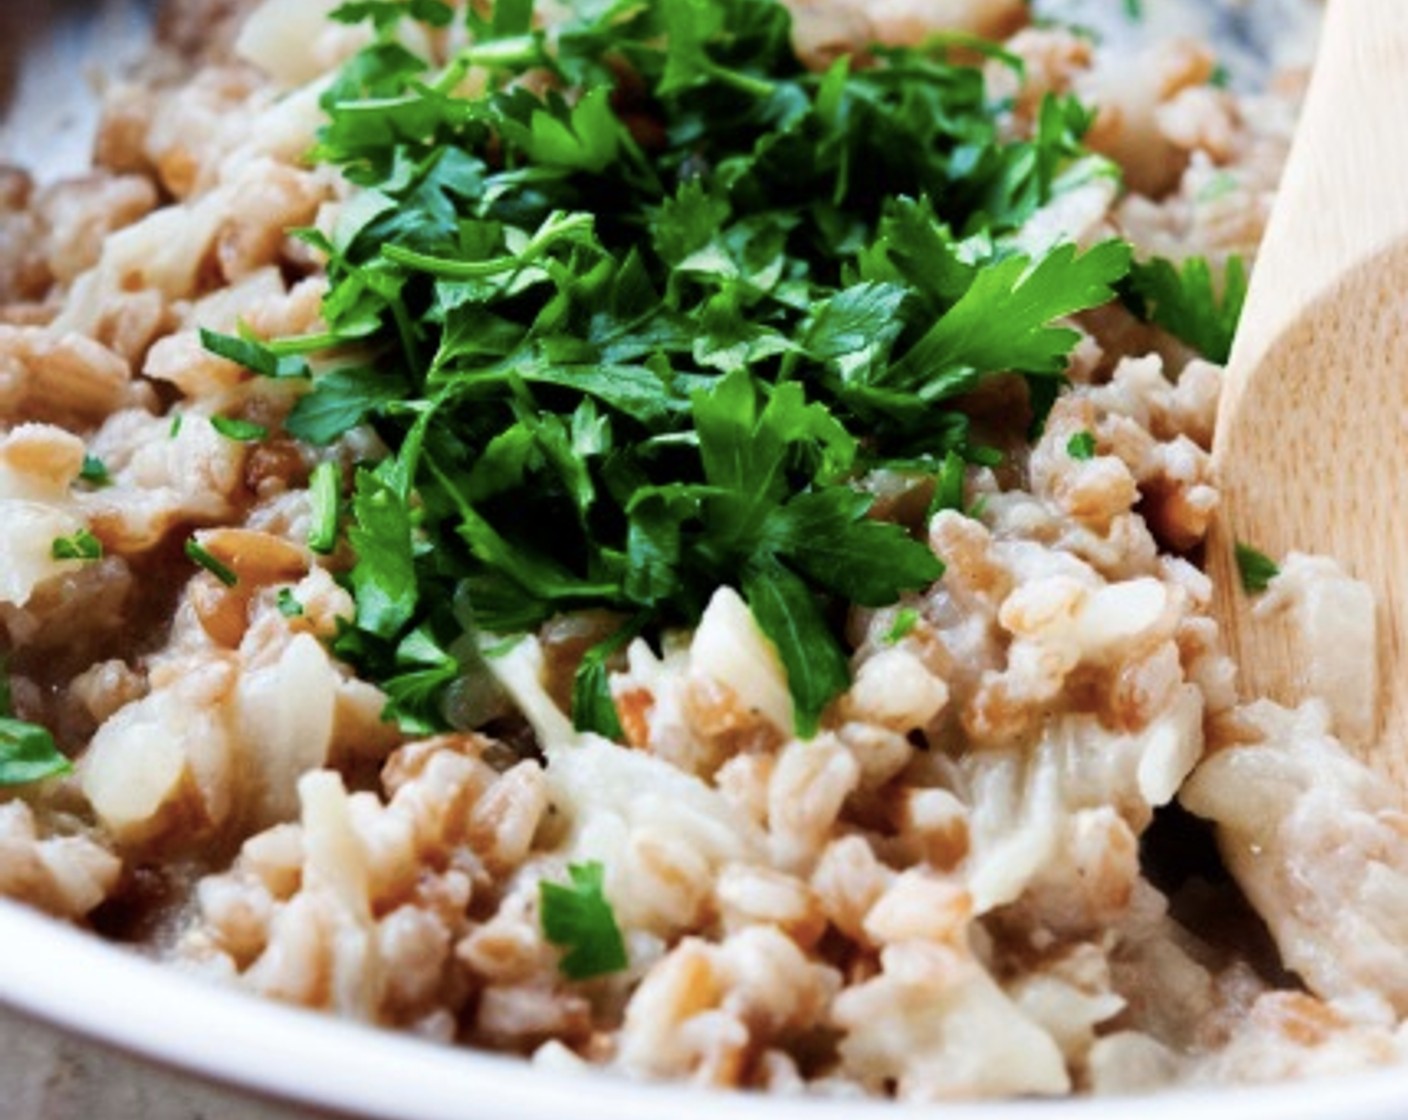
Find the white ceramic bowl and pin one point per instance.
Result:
(138, 1012)
(81, 985)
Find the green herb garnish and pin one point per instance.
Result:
(578, 918)
(324, 491)
(948, 490)
(342, 399)
(906, 619)
(82, 545)
(94, 471)
(204, 559)
(593, 706)
(241, 431)
(1081, 446)
(1256, 568)
(254, 355)
(28, 753)
(1186, 302)
(628, 347)
(288, 604)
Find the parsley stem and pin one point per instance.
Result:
(758, 87)
(323, 488)
(197, 553)
(448, 269)
(302, 343)
(406, 331)
(515, 52)
(557, 226)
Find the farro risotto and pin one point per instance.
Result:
(664, 536)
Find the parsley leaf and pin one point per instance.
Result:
(387, 13)
(94, 471)
(1186, 301)
(948, 492)
(28, 753)
(384, 580)
(340, 400)
(241, 431)
(578, 918)
(788, 613)
(1081, 446)
(828, 536)
(82, 545)
(593, 707)
(253, 355)
(288, 604)
(1256, 569)
(424, 671)
(906, 619)
(1002, 322)
(197, 553)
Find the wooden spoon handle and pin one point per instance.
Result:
(1329, 213)
(1344, 195)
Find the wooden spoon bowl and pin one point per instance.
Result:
(1312, 442)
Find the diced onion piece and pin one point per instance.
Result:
(132, 770)
(730, 648)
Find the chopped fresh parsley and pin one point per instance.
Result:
(82, 545)
(384, 580)
(1187, 302)
(948, 490)
(593, 706)
(1081, 446)
(387, 13)
(578, 918)
(196, 553)
(28, 753)
(341, 400)
(288, 603)
(175, 429)
(324, 492)
(1256, 568)
(906, 619)
(254, 355)
(645, 339)
(242, 431)
(94, 471)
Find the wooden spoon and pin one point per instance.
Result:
(1312, 439)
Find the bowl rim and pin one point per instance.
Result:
(77, 983)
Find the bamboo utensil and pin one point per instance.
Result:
(1312, 441)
